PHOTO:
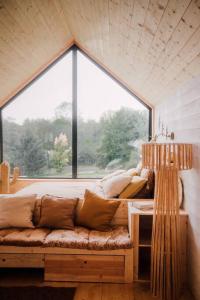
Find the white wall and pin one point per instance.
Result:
(181, 113)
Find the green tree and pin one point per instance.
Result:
(61, 153)
(64, 110)
(88, 141)
(30, 155)
(119, 130)
(12, 133)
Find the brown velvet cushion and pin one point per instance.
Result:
(96, 212)
(57, 212)
(37, 212)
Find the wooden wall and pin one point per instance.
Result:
(150, 45)
(181, 113)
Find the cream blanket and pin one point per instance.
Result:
(62, 189)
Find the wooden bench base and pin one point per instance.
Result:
(72, 264)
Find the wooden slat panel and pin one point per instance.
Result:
(180, 112)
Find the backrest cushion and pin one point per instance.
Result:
(131, 172)
(115, 173)
(17, 211)
(57, 212)
(133, 187)
(115, 185)
(96, 212)
(148, 189)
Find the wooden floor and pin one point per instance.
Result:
(118, 292)
(84, 291)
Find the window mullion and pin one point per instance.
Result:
(74, 113)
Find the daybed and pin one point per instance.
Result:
(66, 255)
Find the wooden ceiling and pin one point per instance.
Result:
(153, 46)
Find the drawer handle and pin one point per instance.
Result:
(85, 261)
(3, 259)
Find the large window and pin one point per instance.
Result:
(74, 121)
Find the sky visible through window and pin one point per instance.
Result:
(37, 124)
(109, 96)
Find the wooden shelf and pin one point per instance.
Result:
(144, 264)
(140, 224)
(144, 277)
(145, 239)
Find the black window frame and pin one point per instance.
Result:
(74, 50)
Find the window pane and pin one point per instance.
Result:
(37, 124)
(111, 123)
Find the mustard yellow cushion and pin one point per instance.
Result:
(133, 187)
(96, 212)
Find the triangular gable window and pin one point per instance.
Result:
(74, 121)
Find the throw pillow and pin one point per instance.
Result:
(132, 172)
(133, 188)
(115, 173)
(148, 189)
(96, 212)
(115, 185)
(17, 211)
(57, 212)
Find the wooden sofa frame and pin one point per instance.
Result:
(63, 264)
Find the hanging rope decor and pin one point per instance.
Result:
(166, 160)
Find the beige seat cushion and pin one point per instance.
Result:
(82, 238)
(79, 238)
(76, 239)
(118, 238)
(23, 237)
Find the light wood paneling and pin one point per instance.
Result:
(32, 34)
(181, 113)
(151, 45)
(139, 40)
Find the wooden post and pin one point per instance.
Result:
(5, 178)
(5, 181)
(16, 174)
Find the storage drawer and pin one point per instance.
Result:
(22, 260)
(87, 268)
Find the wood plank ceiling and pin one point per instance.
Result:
(153, 46)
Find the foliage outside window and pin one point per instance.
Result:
(37, 124)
